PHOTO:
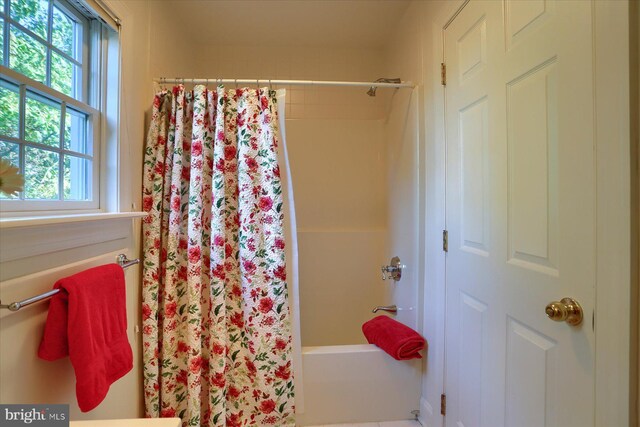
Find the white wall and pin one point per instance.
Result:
(404, 130)
(430, 17)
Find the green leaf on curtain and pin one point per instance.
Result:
(281, 408)
(234, 355)
(216, 417)
(217, 309)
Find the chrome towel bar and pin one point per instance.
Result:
(122, 260)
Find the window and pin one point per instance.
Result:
(46, 42)
(50, 75)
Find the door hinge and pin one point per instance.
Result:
(443, 73)
(445, 240)
(443, 404)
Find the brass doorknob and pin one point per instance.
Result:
(566, 310)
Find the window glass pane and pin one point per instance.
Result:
(75, 132)
(62, 74)
(77, 178)
(27, 56)
(11, 152)
(9, 109)
(42, 121)
(63, 32)
(41, 171)
(32, 14)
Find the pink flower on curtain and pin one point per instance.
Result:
(216, 326)
(265, 203)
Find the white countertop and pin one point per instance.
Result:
(134, 422)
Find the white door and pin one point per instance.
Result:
(520, 202)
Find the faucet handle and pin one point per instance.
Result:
(385, 272)
(393, 270)
(388, 308)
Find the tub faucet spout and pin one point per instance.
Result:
(387, 308)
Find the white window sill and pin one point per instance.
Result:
(32, 221)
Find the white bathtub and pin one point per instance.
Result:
(357, 383)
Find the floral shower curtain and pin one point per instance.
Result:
(216, 327)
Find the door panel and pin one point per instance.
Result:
(472, 328)
(531, 376)
(520, 200)
(532, 144)
(474, 147)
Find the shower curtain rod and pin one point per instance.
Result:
(162, 80)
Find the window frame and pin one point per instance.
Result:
(92, 90)
(93, 138)
(82, 43)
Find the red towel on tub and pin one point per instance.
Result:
(400, 341)
(87, 321)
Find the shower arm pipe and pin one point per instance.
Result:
(178, 80)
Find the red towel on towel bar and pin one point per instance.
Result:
(87, 321)
(400, 341)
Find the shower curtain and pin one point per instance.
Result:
(216, 324)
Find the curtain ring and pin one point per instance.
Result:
(270, 86)
(258, 86)
(236, 83)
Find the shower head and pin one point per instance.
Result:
(372, 89)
